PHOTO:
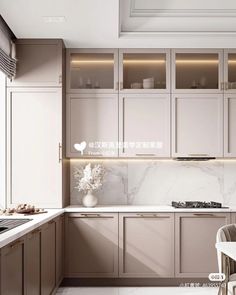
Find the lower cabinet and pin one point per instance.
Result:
(48, 258)
(195, 252)
(12, 268)
(33, 263)
(91, 245)
(146, 245)
(59, 248)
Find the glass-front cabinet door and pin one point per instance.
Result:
(92, 70)
(230, 70)
(197, 71)
(144, 70)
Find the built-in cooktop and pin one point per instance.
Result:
(196, 204)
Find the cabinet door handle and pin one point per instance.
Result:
(91, 215)
(145, 155)
(59, 152)
(152, 215)
(198, 155)
(121, 86)
(51, 222)
(36, 231)
(117, 86)
(203, 214)
(17, 243)
(222, 86)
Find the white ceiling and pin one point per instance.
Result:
(89, 23)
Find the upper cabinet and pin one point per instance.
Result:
(197, 71)
(230, 70)
(144, 70)
(197, 125)
(39, 63)
(92, 70)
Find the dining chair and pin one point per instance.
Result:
(227, 265)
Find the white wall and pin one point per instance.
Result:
(2, 140)
(140, 182)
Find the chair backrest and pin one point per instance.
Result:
(226, 233)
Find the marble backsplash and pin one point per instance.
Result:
(146, 182)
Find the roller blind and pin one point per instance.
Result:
(7, 50)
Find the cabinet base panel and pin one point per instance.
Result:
(133, 282)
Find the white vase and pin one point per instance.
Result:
(89, 200)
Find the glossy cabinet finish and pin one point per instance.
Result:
(48, 258)
(91, 245)
(34, 126)
(92, 120)
(195, 237)
(32, 263)
(146, 245)
(92, 70)
(197, 125)
(12, 268)
(144, 125)
(39, 63)
(229, 125)
(197, 71)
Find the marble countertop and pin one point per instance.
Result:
(40, 219)
(144, 208)
(19, 231)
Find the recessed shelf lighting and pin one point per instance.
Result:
(92, 61)
(54, 19)
(197, 61)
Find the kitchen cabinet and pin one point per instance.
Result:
(32, 263)
(12, 268)
(229, 71)
(59, 248)
(92, 125)
(229, 125)
(39, 63)
(197, 71)
(35, 138)
(195, 238)
(144, 125)
(144, 70)
(48, 258)
(91, 245)
(233, 218)
(146, 245)
(92, 71)
(197, 125)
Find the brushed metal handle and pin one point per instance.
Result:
(222, 86)
(152, 215)
(51, 222)
(59, 152)
(198, 155)
(35, 231)
(91, 215)
(203, 214)
(145, 155)
(17, 243)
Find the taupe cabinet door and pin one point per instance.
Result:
(91, 245)
(146, 245)
(92, 120)
(32, 263)
(12, 269)
(34, 117)
(197, 125)
(145, 125)
(59, 248)
(195, 252)
(39, 63)
(230, 126)
(48, 258)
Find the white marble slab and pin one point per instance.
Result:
(143, 208)
(19, 231)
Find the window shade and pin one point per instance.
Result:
(7, 50)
